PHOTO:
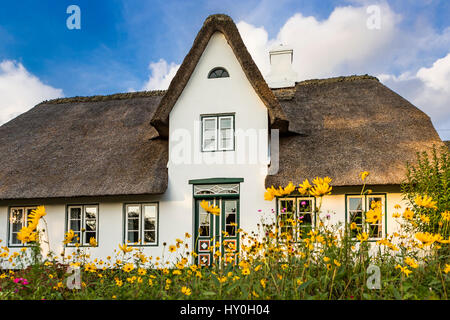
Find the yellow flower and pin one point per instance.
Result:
(404, 270)
(408, 214)
(424, 218)
(215, 210)
(362, 236)
(363, 175)
(119, 283)
(299, 282)
(425, 237)
(263, 283)
(176, 272)
(142, 272)
(172, 248)
(26, 234)
(186, 291)
(374, 215)
(128, 267)
(90, 267)
(411, 262)
(353, 226)
(289, 189)
(246, 271)
(125, 248)
(93, 242)
(222, 279)
(305, 187)
(187, 235)
(446, 215)
(321, 187)
(425, 201)
(337, 263)
(447, 268)
(326, 259)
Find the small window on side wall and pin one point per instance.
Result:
(218, 72)
(141, 224)
(218, 133)
(83, 221)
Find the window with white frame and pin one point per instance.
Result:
(18, 218)
(297, 216)
(357, 206)
(83, 221)
(141, 223)
(218, 133)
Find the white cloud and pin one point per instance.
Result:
(429, 90)
(161, 73)
(340, 44)
(21, 90)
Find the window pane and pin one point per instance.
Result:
(305, 206)
(133, 211)
(75, 225)
(16, 216)
(91, 225)
(91, 212)
(149, 224)
(133, 236)
(355, 204)
(14, 239)
(149, 236)
(133, 224)
(75, 213)
(226, 122)
(90, 235)
(150, 211)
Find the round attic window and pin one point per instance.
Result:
(218, 73)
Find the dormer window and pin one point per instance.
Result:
(218, 72)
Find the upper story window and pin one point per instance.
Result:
(218, 73)
(218, 133)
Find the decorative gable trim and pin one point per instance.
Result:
(225, 25)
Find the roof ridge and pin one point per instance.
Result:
(337, 79)
(114, 96)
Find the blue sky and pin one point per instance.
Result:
(119, 40)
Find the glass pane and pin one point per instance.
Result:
(150, 211)
(133, 211)
(356, 217)
(371, 200)
(305, 206)
(231, 230)
(75, 213)
(90, 235)
(76, 238)
(149, 224)
(16, 216)
(307, 218)
(91, 225)
(204, 231)
(231, 218)
(133, 224)
(133, 236)
(286, 206)
(14, 239)
(149, 236)
(355, 204)
(91, 212)
(75, 225)
(210, 124)
(226, 123)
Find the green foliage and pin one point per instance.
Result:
(430, 176)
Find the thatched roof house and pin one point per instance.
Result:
(118, 144)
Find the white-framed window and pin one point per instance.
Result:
(83, 221)
(17, 219)
(141, 224)
(357, 206)
(301, 211)
(218, 133)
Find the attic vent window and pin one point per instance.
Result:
(218, 73)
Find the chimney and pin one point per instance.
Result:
(281, 74)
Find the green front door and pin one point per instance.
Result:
(216, 237)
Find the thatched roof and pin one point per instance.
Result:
(447, 143)
(224, 24)
(352, 124)
(84, 147)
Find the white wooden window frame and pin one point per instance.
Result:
(83, 241)
(204, 147)
(24, 223)
(218, 133)
(231, 146)
(141, 224)
(365, 207)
